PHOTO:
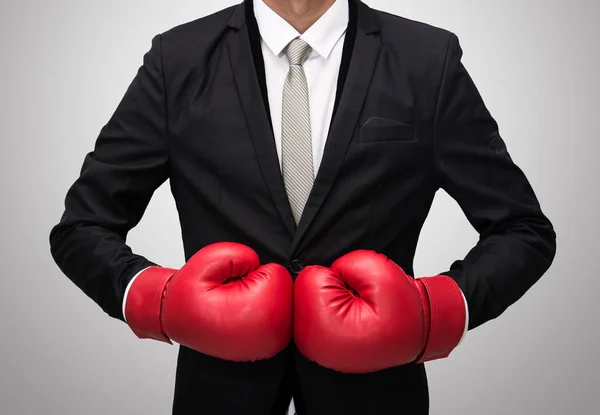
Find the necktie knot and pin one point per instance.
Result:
(297, 51)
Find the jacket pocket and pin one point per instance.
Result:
(377, 129)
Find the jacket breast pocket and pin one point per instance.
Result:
(377, 129)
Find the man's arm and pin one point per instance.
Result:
(517, 242)
(117, 180)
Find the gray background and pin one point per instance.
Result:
(66, 64)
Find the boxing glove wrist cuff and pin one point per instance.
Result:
(447, 316)
(144, 303)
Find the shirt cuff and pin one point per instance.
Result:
(127, 292)
(466, 318)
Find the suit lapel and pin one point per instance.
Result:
(360, 71)
(242, 62)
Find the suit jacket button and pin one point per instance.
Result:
(296, 266)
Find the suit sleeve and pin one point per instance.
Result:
(128, 163)
(517, 242)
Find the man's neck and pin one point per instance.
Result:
(301, 14)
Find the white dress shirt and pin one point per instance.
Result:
(326, 37)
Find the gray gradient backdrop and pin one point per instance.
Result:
(65, 65)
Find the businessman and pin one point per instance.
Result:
(295, 133)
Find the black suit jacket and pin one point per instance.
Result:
(408, 121)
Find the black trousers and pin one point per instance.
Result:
(209, 386)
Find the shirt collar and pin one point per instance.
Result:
(321, 36)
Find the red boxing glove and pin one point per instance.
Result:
(366, 314)
(222, 303)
